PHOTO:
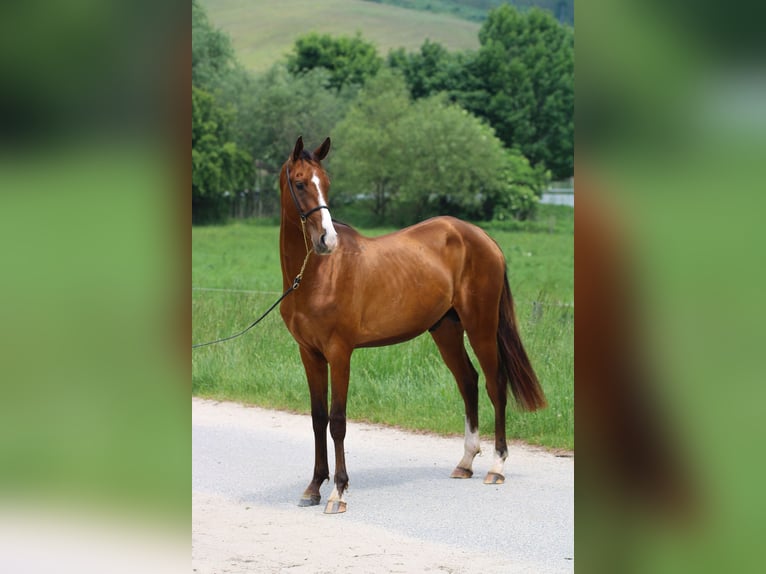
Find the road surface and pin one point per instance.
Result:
(405, 514)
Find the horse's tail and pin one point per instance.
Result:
(515, 369)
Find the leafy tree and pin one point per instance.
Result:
(273, 109)
(270, 110)
(367, 148)
(212, 54)
(433, 69)
(525, 67)
(521, 81)
(415, 160)
(459, 167)
(350, 61)
(218, 165)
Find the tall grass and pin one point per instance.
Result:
(406, 385)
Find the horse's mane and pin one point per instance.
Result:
(344, 224)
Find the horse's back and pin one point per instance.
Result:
(449, 236)
(443, 228)
(447, 254)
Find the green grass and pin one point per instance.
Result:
(264, 32)
(405, 385)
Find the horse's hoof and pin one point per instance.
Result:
(494, 478)
(461, 472)
(335, 507)
(309, 500)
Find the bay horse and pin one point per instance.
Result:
(442, 275)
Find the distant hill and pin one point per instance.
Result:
(477, 10)
(262, 32)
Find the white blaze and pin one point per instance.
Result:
(330, 235)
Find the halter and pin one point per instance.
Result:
(303, 214)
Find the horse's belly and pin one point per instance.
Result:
(381, 339)
(398, 324)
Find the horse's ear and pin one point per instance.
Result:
(298, 148)
(321, 152)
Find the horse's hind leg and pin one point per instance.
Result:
(484, 344)
(480, 319)
(449, 339)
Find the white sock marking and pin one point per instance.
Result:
(472, 446)
(334, 495)
(498, 463)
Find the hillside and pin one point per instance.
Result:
(477, 10)
(262, 32)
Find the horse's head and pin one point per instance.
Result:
(305, 186)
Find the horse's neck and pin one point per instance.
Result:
(292, 248)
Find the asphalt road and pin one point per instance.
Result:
(405, 514)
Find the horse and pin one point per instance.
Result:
(442, 275)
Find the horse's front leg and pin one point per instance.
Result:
(316, 374)
(339, 372)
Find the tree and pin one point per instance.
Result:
(367, 146)
(526, 69)
(459, 167)
(521, 81)
(270, 110)
(218, 165)
(409, 161)
(432, 70)
(212, 54)
(273, 109)
(350, 61)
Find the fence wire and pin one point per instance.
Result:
(252, 292)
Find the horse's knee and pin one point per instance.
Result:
(319, 420)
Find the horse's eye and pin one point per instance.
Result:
(300, 185)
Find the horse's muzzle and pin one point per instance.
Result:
(326, 244)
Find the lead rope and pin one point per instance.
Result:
(290, 289)
(299, 277)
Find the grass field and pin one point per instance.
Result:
(236, 276)
(262, 32)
